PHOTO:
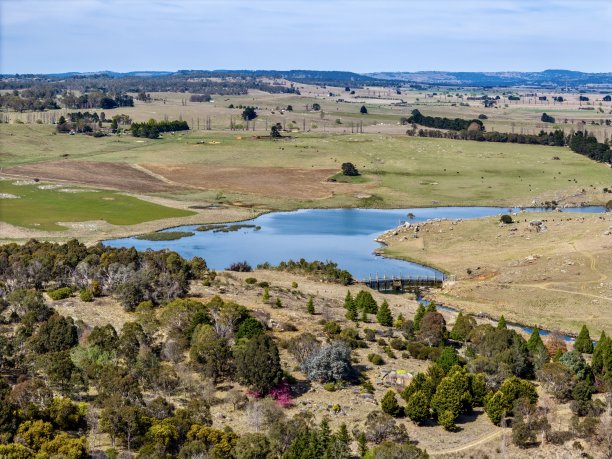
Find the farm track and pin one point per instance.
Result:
(482, 440)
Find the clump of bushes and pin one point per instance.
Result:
(370, 334)
(398, 344)
(60, 293)
(506, 219)
(375, 359)
(240, 267)
(86, 295)
(349, 170)
(330, 387)
(327, 271)
(250, 280)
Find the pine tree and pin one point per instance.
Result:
(583, 342)
(340, 448)
(534, 343)
(418, 316)
(384, 316)
(362, 445)
(343, 434)
(417, 407)
(537, 349)
(366, 302)
(462, 328)
(351, 312)
(603, 347)
(364, 317)
(258, 364)
(496, 407)
(310, 306)
(266, 295)
(501, 325)
(324, 436)
(389, 404)
(348, 300)
(452, 397)
(399, 322)
(431, 307)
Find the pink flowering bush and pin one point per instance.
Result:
(282, 394)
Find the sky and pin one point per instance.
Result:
(53, 36)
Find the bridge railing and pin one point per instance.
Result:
(401, 283)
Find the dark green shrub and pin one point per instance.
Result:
(332, 328)
(370, 334)
(368, 387)
(398, 344)
(330, 387)
(389, 404)
(387, 350)
(250, 280)
(375, 359)
(507, 219)
(60, 293)
(249, 328)
(86, 295)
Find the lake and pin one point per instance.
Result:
(345, 236)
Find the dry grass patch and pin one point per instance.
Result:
(269, 181)
(559, 278)
(98, 174)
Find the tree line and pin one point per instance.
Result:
(191, 82)
(579, 142)
(96, 99)
(456, 124)
(152, 128)
(38, 99)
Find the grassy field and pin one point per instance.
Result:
(559, 278)
(385, 108)
(403, 171)
(42, 209)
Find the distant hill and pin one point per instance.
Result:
(329, 77)
(158, 80)
(547, 78)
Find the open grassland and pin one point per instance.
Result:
(559, 278)
(340, 111)
(398, 171)
(39, 207)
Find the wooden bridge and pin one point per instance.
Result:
(403, 284)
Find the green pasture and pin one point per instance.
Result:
(402, 171)
(42, 208)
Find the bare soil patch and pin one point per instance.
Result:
(99, 312)
(100, 174)
(269, 181)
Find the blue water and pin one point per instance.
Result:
(345, 236)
